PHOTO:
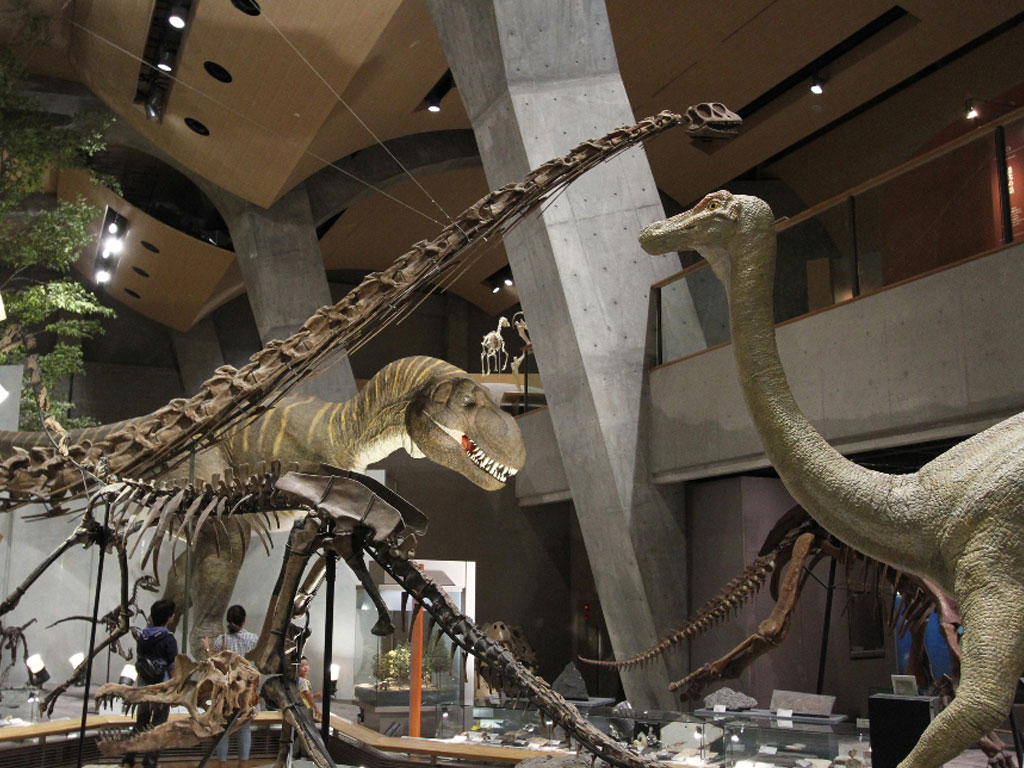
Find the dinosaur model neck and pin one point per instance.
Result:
(871, 511)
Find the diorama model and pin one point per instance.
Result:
(958, 521)
(345, 512)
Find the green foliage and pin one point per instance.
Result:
(394, 667)
(39, 245)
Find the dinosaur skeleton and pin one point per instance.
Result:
(797, 541)
(10, 639)
(151, 443)
(220, 693)
(233, 397)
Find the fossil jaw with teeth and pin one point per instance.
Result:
(211, 690)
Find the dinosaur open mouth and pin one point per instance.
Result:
(493, 467)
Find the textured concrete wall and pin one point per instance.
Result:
(937, 357)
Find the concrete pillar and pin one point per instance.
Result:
(538, 77)
(198, 353)
(279, 257)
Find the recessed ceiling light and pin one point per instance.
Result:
(197, 126)
(817, 86)
(248, 7)
(165, 61)
(102, 276)
(216, 71)
(113, 245)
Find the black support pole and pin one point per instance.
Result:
(826, 625)
(325, 716)
(102, 543)
(1003, 176)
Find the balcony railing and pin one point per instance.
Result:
(953, 203)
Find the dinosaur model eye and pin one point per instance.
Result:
(467, 400)
(714, 205)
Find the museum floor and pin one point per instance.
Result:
(70, 706)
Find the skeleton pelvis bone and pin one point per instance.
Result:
(211, 690)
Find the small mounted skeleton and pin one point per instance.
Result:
(493, 355)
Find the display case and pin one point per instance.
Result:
(782, 742)
(383, 665)
(19, 705)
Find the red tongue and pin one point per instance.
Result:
(466, 443)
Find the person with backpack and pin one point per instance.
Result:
(156, 650)
(241, 642)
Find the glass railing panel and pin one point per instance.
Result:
(693, 314)
(929, 217)
(815, 266)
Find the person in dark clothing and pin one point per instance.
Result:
(157, 648)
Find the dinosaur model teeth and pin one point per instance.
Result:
(493, 467)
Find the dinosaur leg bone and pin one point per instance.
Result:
(354, 560)
(770, 632)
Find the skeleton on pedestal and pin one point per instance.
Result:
(492, 349)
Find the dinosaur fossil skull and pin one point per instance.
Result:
(210, 690)
(455, 423)
(712, 121)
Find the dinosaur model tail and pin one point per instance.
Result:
(498, 663)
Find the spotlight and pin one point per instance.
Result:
(76, 659)
(114, 245)
(128, 675)
(177, 17)
(508, 281)
(154, 104)
(972, 111)
(102, 276)
(335, 671)
(495, 289)
(112, 228)
(817, 86)
(37, 674)
(165, 61)
(971, 107)
(438, 92)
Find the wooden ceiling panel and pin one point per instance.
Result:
(375, 231)
(387, 93)
(178, 280)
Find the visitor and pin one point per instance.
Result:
(156, 649)
(306, 689)
(241, 642)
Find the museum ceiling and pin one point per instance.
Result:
(311, 89)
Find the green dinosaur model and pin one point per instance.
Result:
(421, 404)
(958, 521)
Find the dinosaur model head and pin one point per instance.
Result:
(454, 422)
(719, 226)
(210, 690)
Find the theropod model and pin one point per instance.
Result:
(958, 521)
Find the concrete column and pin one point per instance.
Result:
(279, 257)
(198, 353)
(538, 77)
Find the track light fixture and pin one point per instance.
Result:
(500, 279)
(165, 61)
(971, 107)
(817, 85)
(178, 16)
(438, 92)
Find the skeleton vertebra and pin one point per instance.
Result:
(221, 689)
(958, 521)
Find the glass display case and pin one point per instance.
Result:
(782, 742)
(19, 705)
(383, 665)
